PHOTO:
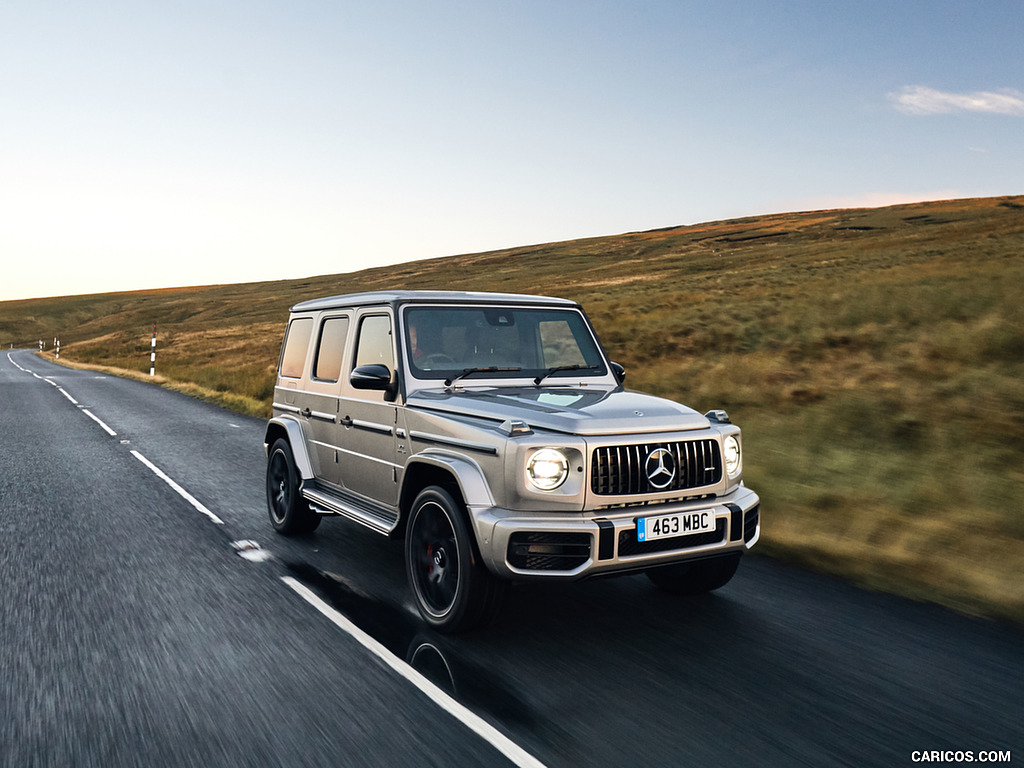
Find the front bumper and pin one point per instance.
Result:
(577, 546)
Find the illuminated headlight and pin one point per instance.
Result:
(732, 455)
(548, 469)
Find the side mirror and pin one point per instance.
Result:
(374, 376)
(619, 371)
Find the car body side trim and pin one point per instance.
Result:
(369, 426)
(454, 442)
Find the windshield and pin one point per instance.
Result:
(445, 342)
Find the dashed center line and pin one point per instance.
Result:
(177, 488)
(153, 467)
(106, 429)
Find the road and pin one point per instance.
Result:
(151, 617)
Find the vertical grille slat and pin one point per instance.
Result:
(627, 474)
(699, 460)
(620, 470)
(637, 473)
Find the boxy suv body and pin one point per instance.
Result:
(494, 435)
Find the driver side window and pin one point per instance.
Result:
(375, 342)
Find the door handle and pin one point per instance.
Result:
(346, 421)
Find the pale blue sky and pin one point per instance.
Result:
(151, 144)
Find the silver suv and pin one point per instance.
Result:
(491, 432)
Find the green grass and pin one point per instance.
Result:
(874, 359)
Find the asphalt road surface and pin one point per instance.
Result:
(151, 617)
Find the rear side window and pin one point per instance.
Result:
(296, 342)
(331, 349)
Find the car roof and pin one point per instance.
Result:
(395, 298)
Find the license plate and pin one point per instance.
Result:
(666, 526)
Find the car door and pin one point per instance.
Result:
(368, 423)
(324, 398)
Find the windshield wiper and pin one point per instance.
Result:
(489, 369)
(558, 368)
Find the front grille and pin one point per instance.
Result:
(624, 470)
(541, 551)
(628, 545)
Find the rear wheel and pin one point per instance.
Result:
(289, 512)
(697, 577)
(453, 590)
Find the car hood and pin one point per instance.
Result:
(589, 411)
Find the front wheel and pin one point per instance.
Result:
(289, 512)
(453, 590)
(697, 577)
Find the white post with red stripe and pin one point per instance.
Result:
(152, 354)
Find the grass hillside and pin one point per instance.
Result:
(873, 357)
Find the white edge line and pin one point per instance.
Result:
(107, 429)
(65, 393)
(181, 491)
(470, 719)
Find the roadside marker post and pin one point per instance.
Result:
(152, 354)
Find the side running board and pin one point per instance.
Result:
(327, 503)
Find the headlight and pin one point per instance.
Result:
(548, 469)
(732, 455)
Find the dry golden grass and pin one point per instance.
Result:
(874, 358)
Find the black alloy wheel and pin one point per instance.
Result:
(289, 512)
(453, 590)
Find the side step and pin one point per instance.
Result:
(325, 502)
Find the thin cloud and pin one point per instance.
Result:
(921, 100)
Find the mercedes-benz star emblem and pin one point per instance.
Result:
(660, 468)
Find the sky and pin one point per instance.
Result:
(156, 144)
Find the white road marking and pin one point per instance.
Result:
(251, 550)
(106, 429)
(470, 719)
(69, 397)
(181, 491)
